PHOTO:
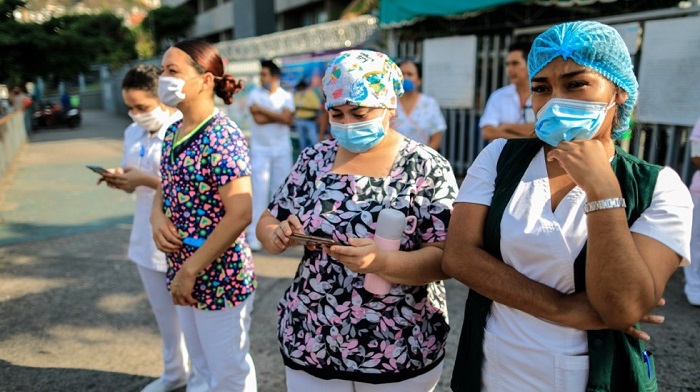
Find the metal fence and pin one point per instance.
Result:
(12, 136)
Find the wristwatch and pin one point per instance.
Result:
(615, 202)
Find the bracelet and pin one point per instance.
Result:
(615, 202)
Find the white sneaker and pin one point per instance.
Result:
(158, 385)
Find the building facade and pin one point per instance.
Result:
(225, 20)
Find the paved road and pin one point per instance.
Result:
(73, 315)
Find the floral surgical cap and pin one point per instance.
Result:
(362, 78)
(593, 45)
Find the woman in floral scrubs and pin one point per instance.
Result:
(199, 217)
(334, 334)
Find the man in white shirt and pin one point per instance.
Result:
(508, 112)
(272, 109)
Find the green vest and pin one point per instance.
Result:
(617, 361)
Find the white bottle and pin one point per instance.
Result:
(387, 236)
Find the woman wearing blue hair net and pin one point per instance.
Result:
(566, 241)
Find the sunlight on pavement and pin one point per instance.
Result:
(13, 288)
(120, 303)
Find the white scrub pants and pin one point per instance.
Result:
(269, 168)
(174, 352)
(300, 381)
(692, 271)
(218, 343)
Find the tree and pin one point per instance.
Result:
(169, 24)
(63, 47)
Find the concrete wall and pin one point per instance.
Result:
(12, 137)
(214, 20)
(253, 18)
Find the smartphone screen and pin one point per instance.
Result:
(97, 169)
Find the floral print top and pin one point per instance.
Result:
(424, 121)
(216, 155)
(329, 325)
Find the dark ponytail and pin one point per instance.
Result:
(206, 58)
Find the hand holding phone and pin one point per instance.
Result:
(312, 240)
(98, 169)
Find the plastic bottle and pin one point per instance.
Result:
(387, 236)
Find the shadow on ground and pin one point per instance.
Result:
(32, 379)
(21, 232)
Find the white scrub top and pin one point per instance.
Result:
(142, 151)
(523, 352)
(503, 107)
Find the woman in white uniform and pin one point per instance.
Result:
(566, 241)
(139, 173)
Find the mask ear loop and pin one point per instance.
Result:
(611, 104)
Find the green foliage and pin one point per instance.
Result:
(144, 42)
(62, 47)
(169, 23)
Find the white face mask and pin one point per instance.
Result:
(170, 90)
(151, 121)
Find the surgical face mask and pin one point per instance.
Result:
(170, 90)
(360, 136)
(408, 85)
(151, 121)
(562, 120)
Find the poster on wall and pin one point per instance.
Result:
(449, 70)
(669, 71)
(307, 68)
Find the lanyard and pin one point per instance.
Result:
(177, 143)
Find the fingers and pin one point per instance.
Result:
(653, 319)
(357, 242)
(661, 302)
(638, 334)
(293, 223)
(280, 240)
(164, 246)
(183, 299)
(280, 236)
(171, 234)
(164, 243)
(357, 247)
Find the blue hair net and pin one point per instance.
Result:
(593, 45)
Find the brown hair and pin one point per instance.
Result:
(142, 77)
(205, 58)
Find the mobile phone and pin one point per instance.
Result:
(306, 239)
(97, 169)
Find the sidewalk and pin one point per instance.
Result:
(73, 314)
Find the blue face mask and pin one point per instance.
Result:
(562, 120)
(408, 85)
(360, 136)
